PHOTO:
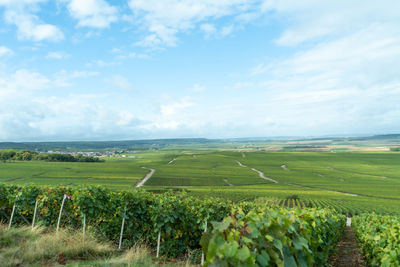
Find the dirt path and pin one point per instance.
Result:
(227, 182)
(260, 173)
(348, 254)
(284, 167)
(172, 160)
(147, 177)
(240, 164)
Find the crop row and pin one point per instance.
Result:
(379, 238)
(344, 207)
(179, 218)
(274, 237)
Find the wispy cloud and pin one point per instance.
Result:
(57, 55)
(4, 51)
(313, 19)
(165, 19)
(210, 31)
(120, 82)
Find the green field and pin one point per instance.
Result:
(117, 173)
(345, 180)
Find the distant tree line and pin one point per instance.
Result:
(24, 155)
(395, 148)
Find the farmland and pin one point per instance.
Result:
(348, 180)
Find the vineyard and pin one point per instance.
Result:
(274, 237)
(379, 238)
(177, 218)
(350, 208)
(272, 232)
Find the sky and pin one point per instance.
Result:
(144, 69)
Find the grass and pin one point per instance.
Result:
(26, 247)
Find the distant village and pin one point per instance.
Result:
(100, 154)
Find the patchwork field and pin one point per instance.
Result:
(345, 180)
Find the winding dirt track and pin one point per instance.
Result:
(227, 182)
(260, 173)
(284, 167)
(147, 177)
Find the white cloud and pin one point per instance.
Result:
(84, 74)
(122, 54)
(208, 29)
(21, 82)
(32, 109)
(102, 63)
(4, 51)
(57, 55)
(168, 110)
(226, 30)
(313, 19)
(29, 26)
(260, 68)
(120, 82)
(198, 88)
(92, 13)
(160, 35)
(211, 31)
(347, 84)
(64, 78)
(171, 116)
(165, 19)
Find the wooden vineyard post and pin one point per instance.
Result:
(59, 215)
(158, 244)
(84, 225)
(202, 253)
(34, 214)
(122, 229)
(12, 216)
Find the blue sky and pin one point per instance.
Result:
(138, 69)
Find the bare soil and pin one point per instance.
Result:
(348, 254)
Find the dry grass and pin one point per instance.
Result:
(23, 246)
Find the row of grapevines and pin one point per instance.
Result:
(379, 238)
(274, 237)
(341, 206)
(180, 218)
